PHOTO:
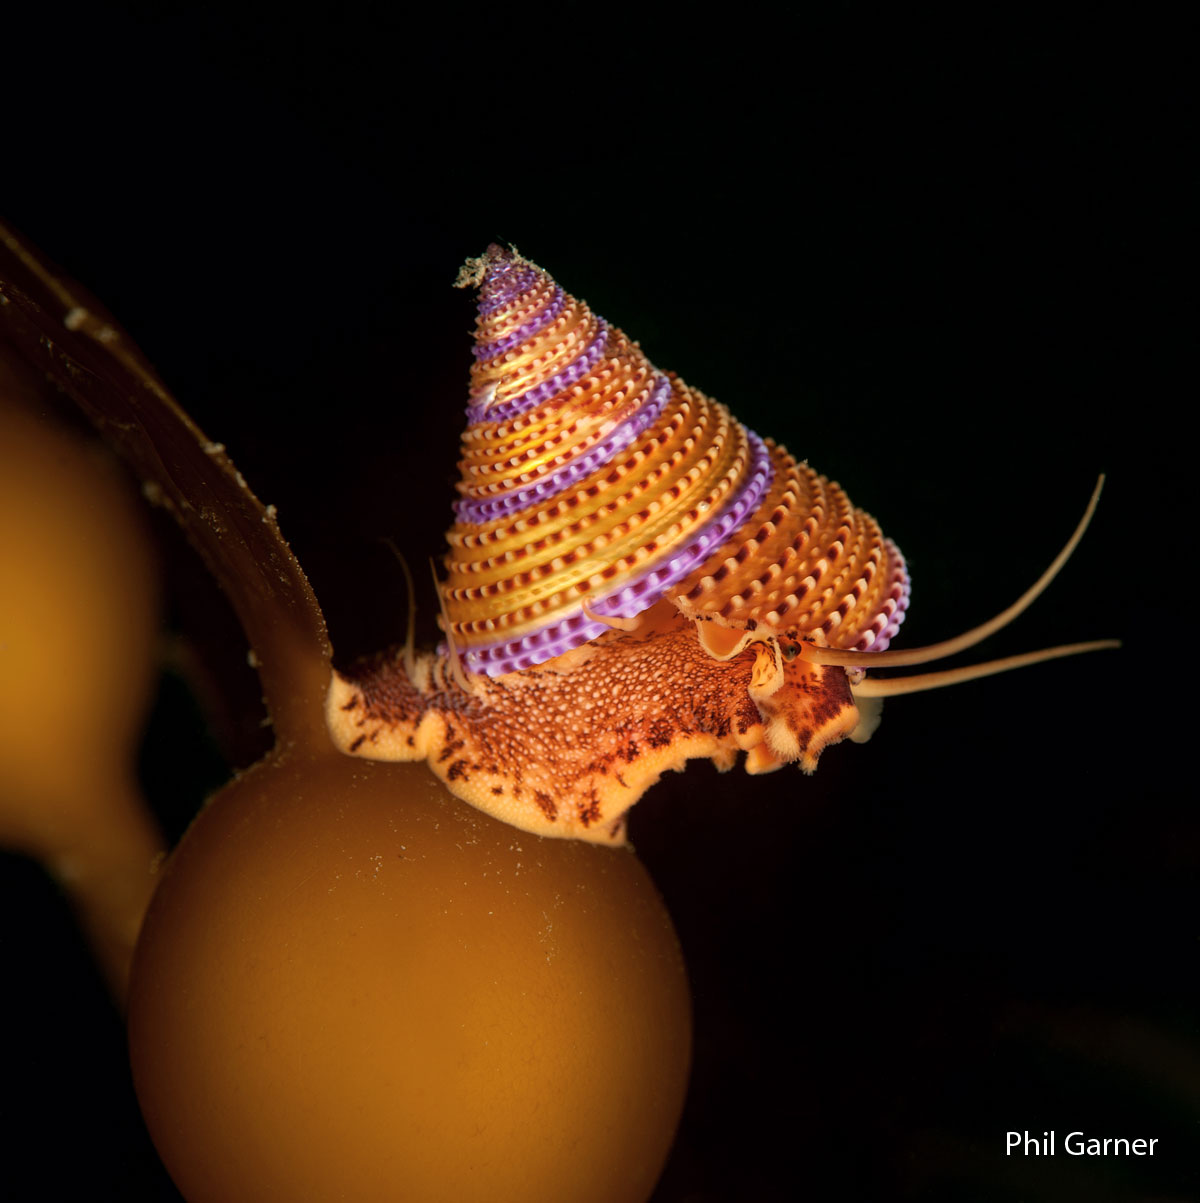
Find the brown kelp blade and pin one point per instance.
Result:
(57, 326)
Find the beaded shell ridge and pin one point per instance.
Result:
(631, 578)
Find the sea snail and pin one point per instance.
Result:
(633, 579)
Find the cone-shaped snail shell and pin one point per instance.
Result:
(593, 485)
(633, 579)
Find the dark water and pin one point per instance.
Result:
(934, 275)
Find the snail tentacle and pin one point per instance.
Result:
(968, 639)
(409, 651)
(886, 687)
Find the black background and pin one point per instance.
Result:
(935, 261)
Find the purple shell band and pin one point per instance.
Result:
(535, 324)
(566, 476)
(533, 649)
(642, 592)
(523, 402)
(888, 621)
(634, 596)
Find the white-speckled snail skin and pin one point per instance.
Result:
(634, 579)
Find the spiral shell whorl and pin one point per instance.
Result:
(588, 477)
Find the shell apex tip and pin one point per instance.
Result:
(474, 272)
